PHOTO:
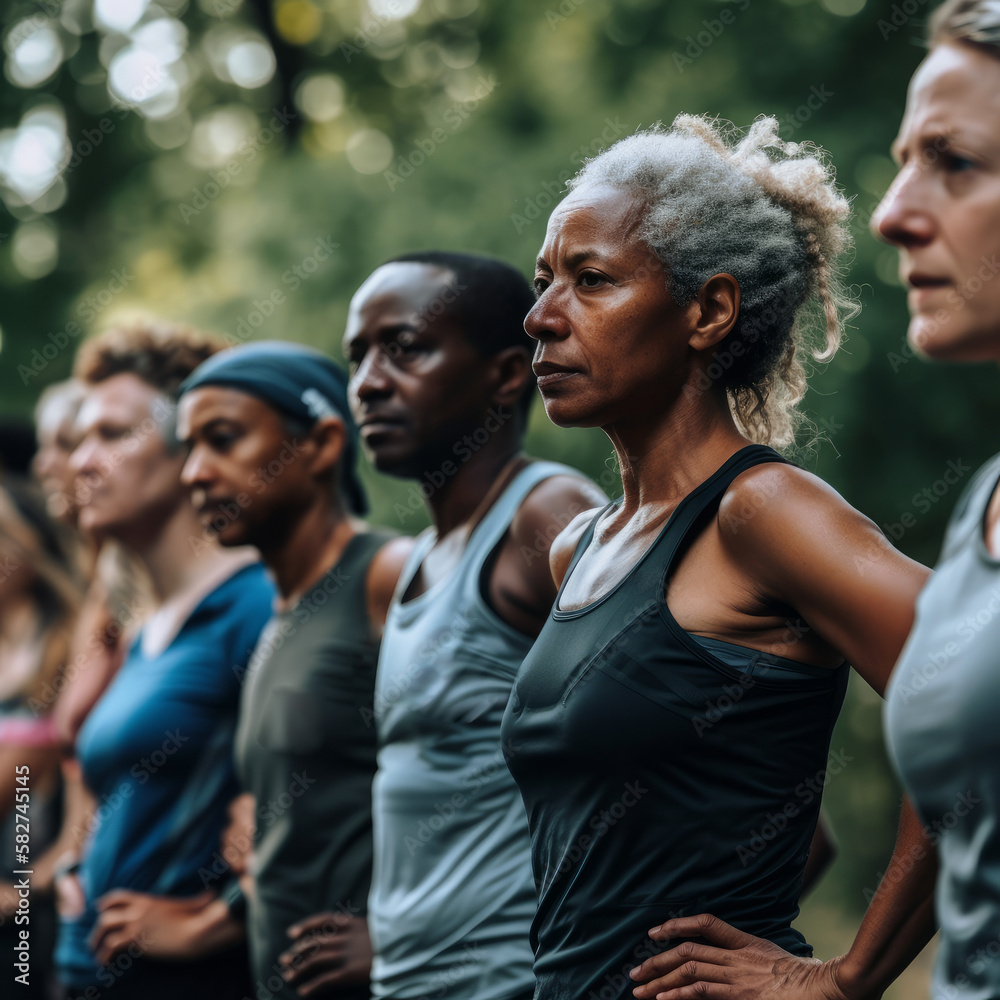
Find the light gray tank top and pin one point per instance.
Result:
(942, 720)
(452, 891)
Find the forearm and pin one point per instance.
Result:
(822, 852)
(899, 920)
(217, 928)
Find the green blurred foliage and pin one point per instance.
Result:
(488, 107)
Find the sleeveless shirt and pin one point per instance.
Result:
(941, 714)
(452, 893)
(663, 776)
(305, 748)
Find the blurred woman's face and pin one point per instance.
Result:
(606, 325)
(56, 442)
(943, 209)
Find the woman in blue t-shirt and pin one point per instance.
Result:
(156, 749)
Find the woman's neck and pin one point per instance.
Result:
(663, 460)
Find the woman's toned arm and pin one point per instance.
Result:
(805, 547)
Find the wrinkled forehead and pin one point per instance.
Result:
(123, 400)
(602, 216)
(955, 92)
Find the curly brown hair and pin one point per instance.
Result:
(162, 354)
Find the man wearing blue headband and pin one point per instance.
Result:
(272, 464)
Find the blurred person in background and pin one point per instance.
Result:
(942, 212)
(156, 749)
(55, 431)
(682, 694)
(114, 603)
(40, 593)
(272, 453)
(118, 594)
(441, 388)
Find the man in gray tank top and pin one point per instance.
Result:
(441, 384)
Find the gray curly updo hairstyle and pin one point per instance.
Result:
(975, 22)
(765, 211)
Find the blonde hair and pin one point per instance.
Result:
(32, 543)
(765, 211)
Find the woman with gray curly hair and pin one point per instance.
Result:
(670, 728)
(943, 214)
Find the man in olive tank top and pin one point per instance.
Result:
(272, 464)
(441, 384)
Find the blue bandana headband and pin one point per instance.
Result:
(300, 382)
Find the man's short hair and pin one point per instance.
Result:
(161, 354)
(489, 301)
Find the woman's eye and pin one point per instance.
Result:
(222, 441)
(957, 164)
(539, 285)
(589, 279)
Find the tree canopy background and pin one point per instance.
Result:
(189, 158)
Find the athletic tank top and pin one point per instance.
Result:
(305, 748)
(662, 779)
(452, 893)
(941, 712)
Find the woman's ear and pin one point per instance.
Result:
(328, 436)
(718, 308)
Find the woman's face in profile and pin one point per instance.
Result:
(606, 325)
(943, 209)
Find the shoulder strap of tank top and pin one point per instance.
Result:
(422, 544)
(701, 502)
(497, 519)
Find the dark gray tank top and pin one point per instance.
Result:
(660, 779)
(305, 748)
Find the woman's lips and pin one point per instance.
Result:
(553, 378)
(548, 374)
